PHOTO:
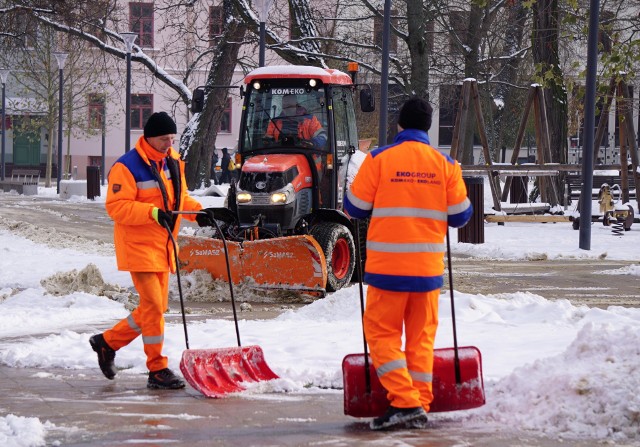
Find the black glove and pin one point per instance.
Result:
(205, 218)
(162, 217)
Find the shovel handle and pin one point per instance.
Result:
(367, 373)
(175, 255)
(226, 258)
(456, 358)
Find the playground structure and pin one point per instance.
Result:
(546, 172)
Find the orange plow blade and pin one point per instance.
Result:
(291, 263)
(216, 372)
(448, 394)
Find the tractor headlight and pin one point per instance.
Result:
(283, 196)
(279, 197)
(243, 197)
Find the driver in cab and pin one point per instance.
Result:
(295, 126)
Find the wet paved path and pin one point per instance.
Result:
(89, 410)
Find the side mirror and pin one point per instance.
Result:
(367, 101)
(197, 101)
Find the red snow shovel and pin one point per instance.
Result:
(216, 372)
(457, 373)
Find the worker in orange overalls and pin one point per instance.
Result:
(412, 192)
(145, 185)
(294, 123)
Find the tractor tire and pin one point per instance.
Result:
(363, 227)
(339, 250)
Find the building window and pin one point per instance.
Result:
(459, 22)
(96, 110)
(26, 30)
(95, 160)
(141, 22)
(216, 21)
(605, 42)
(141, 110)
(449, 98)
(225, 121)
(378, 31)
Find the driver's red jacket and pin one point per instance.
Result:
(308, 128)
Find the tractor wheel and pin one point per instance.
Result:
(339, 250)
(363, 226)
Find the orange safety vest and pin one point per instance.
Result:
(412, 192)
(308, 127)
(134, 190)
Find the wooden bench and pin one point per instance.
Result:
(574, 183)
(543, 218)
(22, 181)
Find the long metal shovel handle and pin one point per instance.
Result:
(367, 373)
(175, 255)
(226, 258)
(456, 359)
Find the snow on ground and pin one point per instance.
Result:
(551, 367)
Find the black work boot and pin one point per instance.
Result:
(164, 379)
(106, 356)
(400, 418)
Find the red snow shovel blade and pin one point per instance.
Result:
(447, 394)
(216, 372)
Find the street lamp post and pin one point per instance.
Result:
(61, 58)
(129, 39)
(4, 74)
(263, 13)
(104, 135)
(384, 75)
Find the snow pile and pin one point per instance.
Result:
(51, 238)
(18, 431)
(590, 390)
(88, 280)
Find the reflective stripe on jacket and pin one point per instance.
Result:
(141, 244)
(412, 192)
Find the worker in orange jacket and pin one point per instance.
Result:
(145, 185)
(294, 122)
(412, 192)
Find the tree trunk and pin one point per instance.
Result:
(472, 42)
(303, 52)
(547, 58)
(198, 140)
(508, 73)
(417, 38)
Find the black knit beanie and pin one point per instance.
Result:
(415, 114)
(159, 123)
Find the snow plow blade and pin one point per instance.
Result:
(291, 263)
(216, 372)
(447, 394)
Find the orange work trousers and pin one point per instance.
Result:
(146, 320)
(406, 375)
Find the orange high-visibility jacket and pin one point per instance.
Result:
(134, 190)
(308, 127)
(412, 192)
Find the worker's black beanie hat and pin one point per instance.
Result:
(415, 114)
(159, 123)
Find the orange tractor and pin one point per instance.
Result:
(283, 220)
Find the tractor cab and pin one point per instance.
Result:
(302, 111)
